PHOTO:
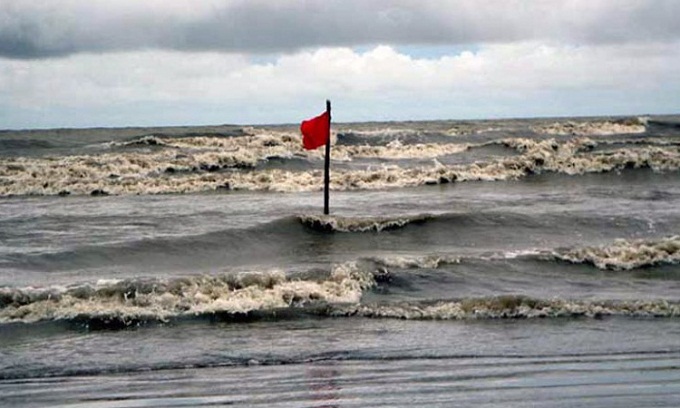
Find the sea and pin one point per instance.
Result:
(480, 263)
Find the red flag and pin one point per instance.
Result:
(315, 131)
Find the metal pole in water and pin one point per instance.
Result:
(327, 166)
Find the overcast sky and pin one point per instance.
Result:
(73, 63)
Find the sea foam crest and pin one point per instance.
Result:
(510, 307)
(335, 223)
(284, 144)
(166, 171)
(396, 150)
(432, 261)
(128, 301)
(600, 128)
(626, 254)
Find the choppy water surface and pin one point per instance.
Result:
(488, 263)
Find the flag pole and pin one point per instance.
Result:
(327, 164)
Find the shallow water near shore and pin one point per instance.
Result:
(350, 362)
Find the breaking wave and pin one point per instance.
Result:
(511, 307)
(601, 128)
(261, 144)
(336, 292)
(397, 150)
(626, 254)
(432, 261)
(333, 223)
(137, 173)
(125, 303)
(129, 301)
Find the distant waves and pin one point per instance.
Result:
(273, 160)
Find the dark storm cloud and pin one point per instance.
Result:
(37, 29)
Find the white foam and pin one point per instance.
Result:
(598, 128)
(126, 301)
(382, 132)
(512, 307)
(433, 261)
(517, 254)
(627, 254)
(147, 173)
(359, 224)
(396, 150)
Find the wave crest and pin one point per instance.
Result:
(511, 307)
(601, 128)
(626, 254)
(167, 171)
(130, 301)
(334, 223)
(433, 261)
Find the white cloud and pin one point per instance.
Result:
(123, 62)
(162, 87)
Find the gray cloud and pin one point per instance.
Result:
(40, 29)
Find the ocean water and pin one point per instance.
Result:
(501, 263)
